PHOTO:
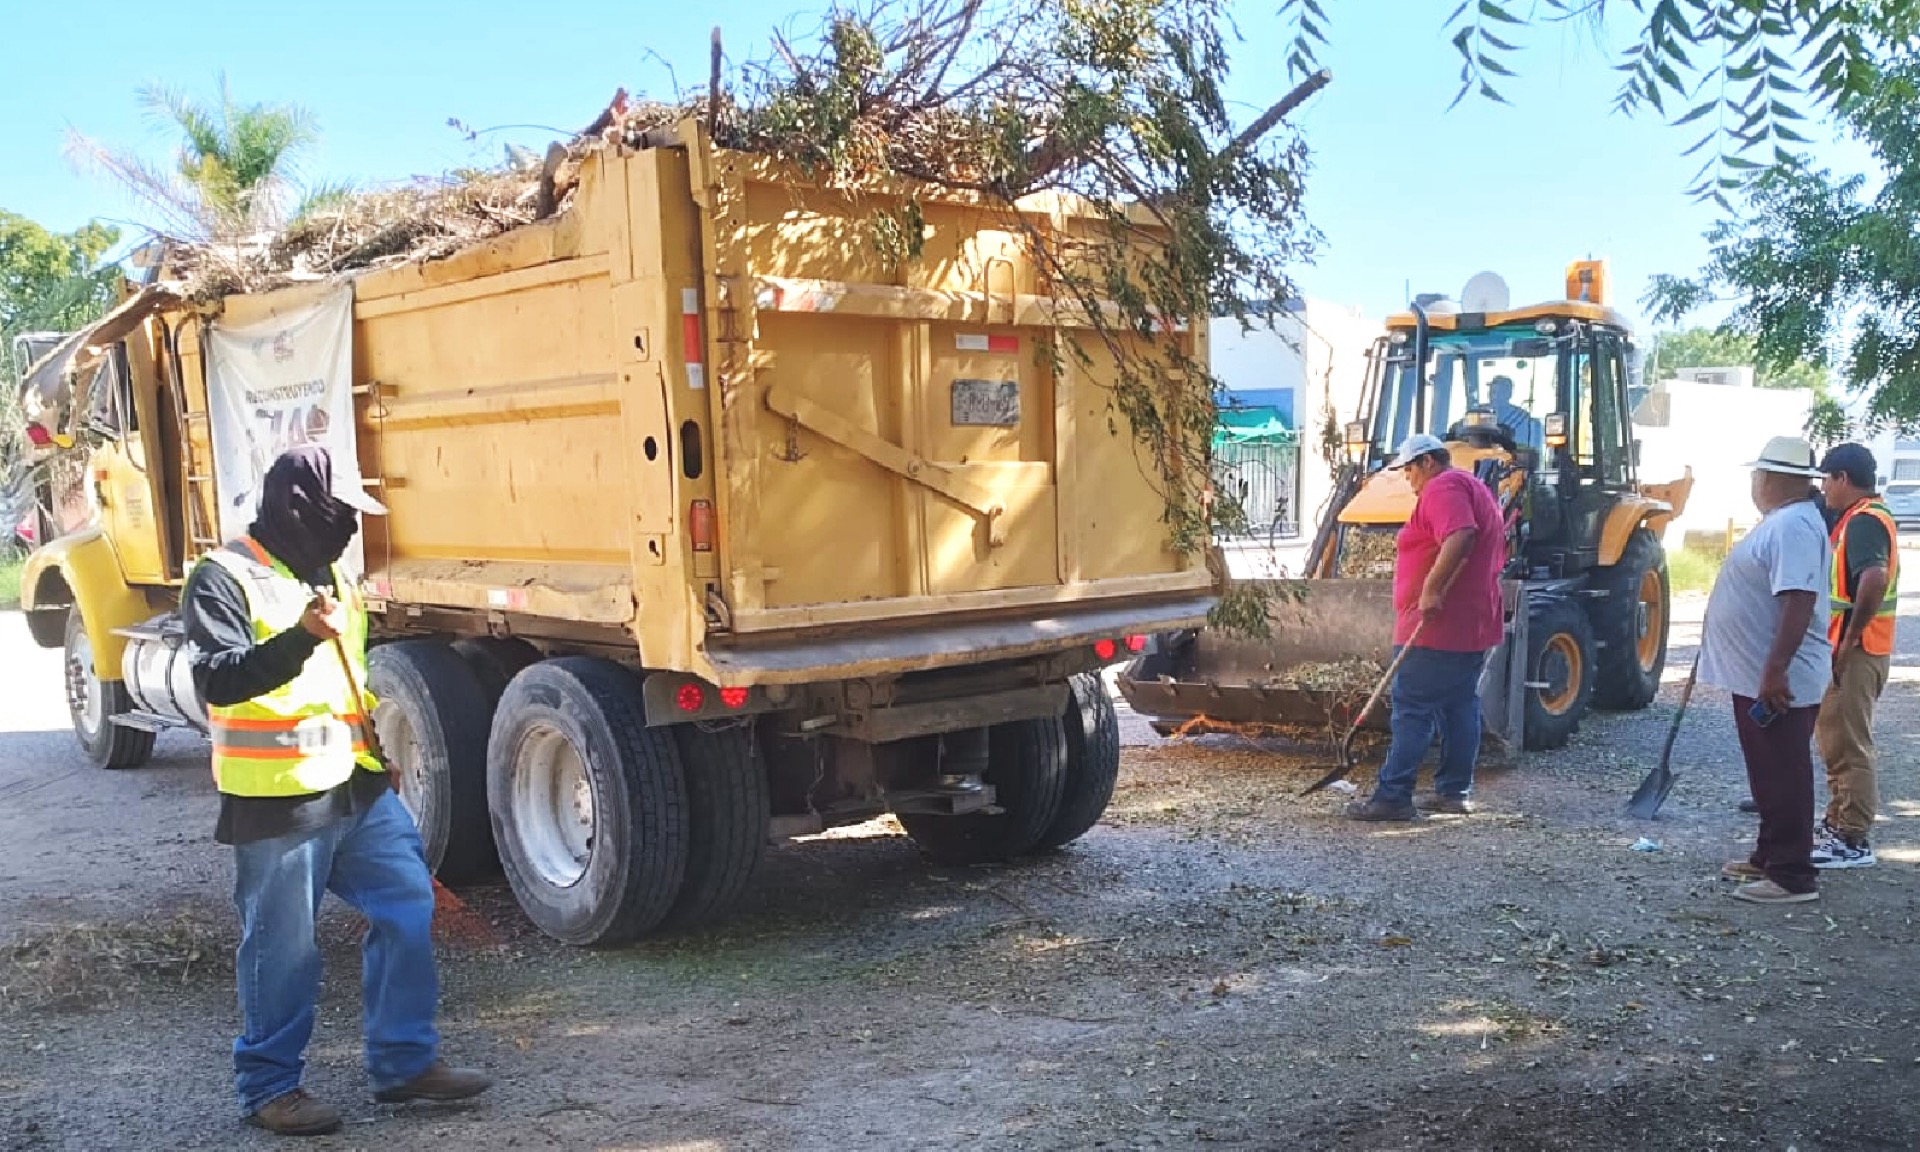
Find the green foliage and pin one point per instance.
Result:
(49, 281)
(234, 174)
(1691, 570)
(1820, 270)
(1117, 102)
(1717, 347)
(1748, 73)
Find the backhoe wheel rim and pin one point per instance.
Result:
(84, 697)
(1650, 618)
(553, 815)
(1561, 668)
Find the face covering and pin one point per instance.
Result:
(300, 521)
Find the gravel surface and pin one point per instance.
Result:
(1219, 963)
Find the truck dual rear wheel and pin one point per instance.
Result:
(432, 721)
(1092, 729)
(1027, 766)
(1560, 658)
(93, 703)
(590, 806)
(728, 804)
(1630, 623)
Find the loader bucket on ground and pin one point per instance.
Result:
(1231, 680)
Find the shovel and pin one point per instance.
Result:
(1652, 793)
(1346, 746)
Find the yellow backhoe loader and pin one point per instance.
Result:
(1533, 400)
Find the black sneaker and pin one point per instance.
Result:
(1439, 805)
(1377, 810)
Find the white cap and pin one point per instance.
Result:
(1788, 455)
(1414, 447)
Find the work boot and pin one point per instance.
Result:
(438, 1083)
(1440, 805)
(1377, 810)
(296, 1114)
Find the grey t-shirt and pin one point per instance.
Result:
(1787, 551)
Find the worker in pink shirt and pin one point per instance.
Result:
(1447, 612)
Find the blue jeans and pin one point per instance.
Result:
(375, 863)
(1434, 691)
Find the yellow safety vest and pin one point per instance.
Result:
(1876, 636)
(304, 736)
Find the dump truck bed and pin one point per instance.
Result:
(701, 413)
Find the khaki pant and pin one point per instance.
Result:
(1844, 735)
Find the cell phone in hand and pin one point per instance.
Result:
(1762, 715)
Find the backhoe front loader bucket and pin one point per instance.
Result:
(1330, 640)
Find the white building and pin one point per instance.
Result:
(1716, 429)
(1314, 355)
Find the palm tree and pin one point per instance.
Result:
(236, 172)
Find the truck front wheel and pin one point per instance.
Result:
(589, 804)
(93, 703)
(1027, 766)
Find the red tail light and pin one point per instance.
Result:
(1136, 644)
(1105, 649)
(700, 525)
(690, 698)
(735, 698)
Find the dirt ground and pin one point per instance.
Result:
(1218, 964)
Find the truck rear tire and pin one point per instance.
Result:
(93, 703)
(1630, 622)
(1027, 766)
(589, 804)
(1092, 729)
(1560, 654)
(432, 723)
(728, 807)
(496, 661)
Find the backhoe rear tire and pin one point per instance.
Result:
(589, 804)
(93, 703)
(432, 720)
(1630, 623)
(1560, 654)
(1092, 729)
(1027, 766)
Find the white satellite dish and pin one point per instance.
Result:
(1486, 292)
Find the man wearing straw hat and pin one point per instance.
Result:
(1766, 643)
(279, 640)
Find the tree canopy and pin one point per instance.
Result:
(1716, 348)
(1820, 266)
(52, 281)
(1747, 75)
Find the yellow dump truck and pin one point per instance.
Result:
(710, 524)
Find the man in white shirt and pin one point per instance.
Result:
(1766, 643)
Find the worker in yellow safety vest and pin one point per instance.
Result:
(278, 635)
(1866, 598)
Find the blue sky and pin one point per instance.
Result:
(1405, 191)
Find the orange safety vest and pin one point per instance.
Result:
(1877, 637)
(304, 736)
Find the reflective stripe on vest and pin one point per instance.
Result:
(1877, 637)
(304, 736)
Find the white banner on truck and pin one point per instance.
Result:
(276, 382)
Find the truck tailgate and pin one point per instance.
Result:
(913, 439)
